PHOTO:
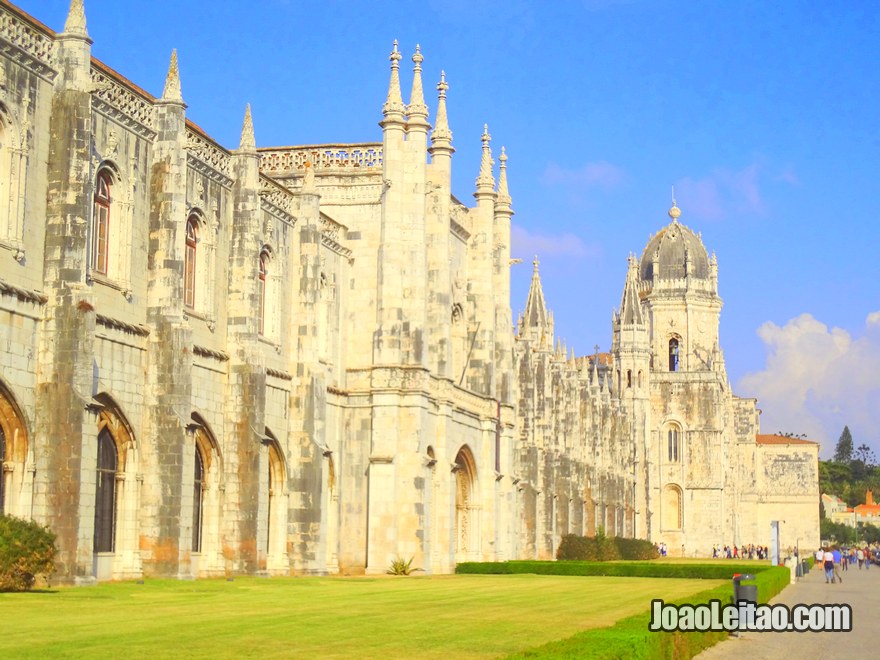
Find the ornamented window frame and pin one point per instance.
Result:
(14, 156)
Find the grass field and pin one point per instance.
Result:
(456, 616)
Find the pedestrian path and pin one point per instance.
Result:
(860, 589)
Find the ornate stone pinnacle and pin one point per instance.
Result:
(536, 263)
(76, 19)
(442, 86)
(247, 130)
(172, 81)
(441, 128)
(394, 102)
(417, 107)
(485, 181)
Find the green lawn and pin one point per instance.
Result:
(460, 616)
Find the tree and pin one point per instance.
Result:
(865, 455)
(844, 451)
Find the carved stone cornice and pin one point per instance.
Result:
(116, 324)
(277, 200)
(27, 44)
(208, 158)
(112, 98)
(24, 295)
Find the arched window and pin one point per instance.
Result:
(672, 445)
(262, 286)
(105, 493)
(189, 262)
(2, 471)
(629, 378)
(467, 522)
(101, 223)
(673, 354)
(198, 499)
(275, 540)
(672, 514)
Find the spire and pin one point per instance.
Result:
(630, 305)
(594, 380)
(535, 314)
(441, 130)
(417, 107)
(394, 102)
(247, 131)
(76, 19)
(485, 180)
(503, 192)
(172, 81)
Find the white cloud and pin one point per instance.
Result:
(567, 244)
(600, 174)
(818, 379)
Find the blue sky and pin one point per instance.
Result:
(763, 116)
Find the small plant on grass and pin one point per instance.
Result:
(401, 566)
(27, 549)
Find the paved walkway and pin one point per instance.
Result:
(860, 588)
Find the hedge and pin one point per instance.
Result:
(722, 570)
(604, 548)
(630, 637)
(27, 549)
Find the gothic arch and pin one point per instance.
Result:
(205, 481)
(672, 441)
(467, 510)
(110, 228)
(276, 515)
(672, 508)
(13, 454)
(268, 276)
(117, 493)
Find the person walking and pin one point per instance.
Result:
(836, 554)
(828, 564)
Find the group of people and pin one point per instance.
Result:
(661, 549)
(750, 551)
(834, 559)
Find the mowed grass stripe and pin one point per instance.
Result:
(462, 616)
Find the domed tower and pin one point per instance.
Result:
(678, 283)
(690, 480)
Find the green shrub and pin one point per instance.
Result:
(603, 548)
(27, 549)
(630, 637)
(710, 571)
(401, 566)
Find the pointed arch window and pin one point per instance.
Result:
(105, 493)
(189, 262)
(101, 223)
(198, 499)
(673, 354)
(2, 471)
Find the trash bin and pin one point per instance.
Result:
(799, 570)
(747, 592)
(805, 567)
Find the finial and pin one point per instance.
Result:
(441, 129)
(76, 19)
(172, 81)
(394, 102)
(417, 105)
(247, 130)
(485, 180)
(503, 191)
(535, 263)
(674, 212)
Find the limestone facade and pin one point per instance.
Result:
(303, 360)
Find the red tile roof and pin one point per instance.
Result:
(765, 439)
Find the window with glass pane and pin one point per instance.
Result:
(105, 493)
(189, 265)
(198, 487)
(101, 224)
